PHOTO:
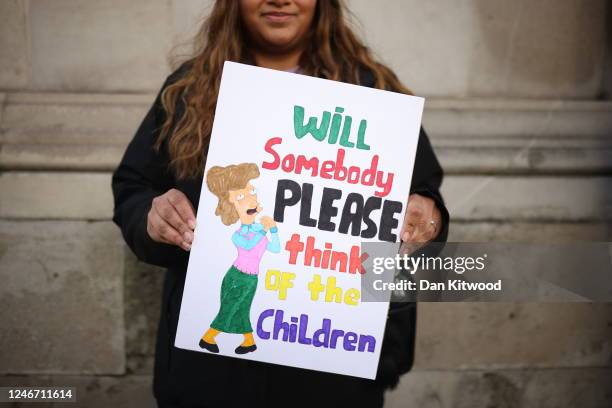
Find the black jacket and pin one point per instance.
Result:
(188, 378)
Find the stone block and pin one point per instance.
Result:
(538, 120)
(56, 196)
(72, 119)
(490, 48)
(13, 45)
(61, 301)
(99, 46)
(543, 198)
(530, 159)
(52, 157)
(556, 388)
(143, 294)
(514, 54)
(533, 232)
(407, 35)
(507, 335)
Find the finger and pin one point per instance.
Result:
(423, 232)
(169, 214)
(410, 222)
(151, 229)
(428, 225)
(407, 232)
(168, 234)
(436, 226)
(416, 235)
(414, 215)
(183, 206)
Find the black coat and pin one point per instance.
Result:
(194, 379)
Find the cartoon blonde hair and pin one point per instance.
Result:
(222, 180)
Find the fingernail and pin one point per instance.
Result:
(405, 237)
(186, 246)
(188, 236)
(192, 224)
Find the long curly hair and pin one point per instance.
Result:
(333, 52)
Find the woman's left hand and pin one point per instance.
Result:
(418, 227)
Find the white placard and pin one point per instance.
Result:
(331, 186)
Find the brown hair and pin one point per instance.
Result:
(333, 52)
(221, 180)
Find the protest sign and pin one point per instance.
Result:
(299, 173)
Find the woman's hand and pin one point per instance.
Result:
(171, 219)
(267, 222)
(418, 227)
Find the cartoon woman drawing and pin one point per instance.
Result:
(238, 201)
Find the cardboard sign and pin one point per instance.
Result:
(300, 172)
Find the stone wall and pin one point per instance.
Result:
(515, 113)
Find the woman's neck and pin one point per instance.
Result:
(281, 62)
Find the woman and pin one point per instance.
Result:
(156, 188)
(238, 201)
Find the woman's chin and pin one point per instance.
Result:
(280, 39)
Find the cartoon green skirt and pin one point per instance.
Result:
(237, 292)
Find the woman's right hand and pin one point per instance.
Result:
(172, 220)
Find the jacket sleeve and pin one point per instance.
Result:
(426, 181)
(397, 355)
(142, 175)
